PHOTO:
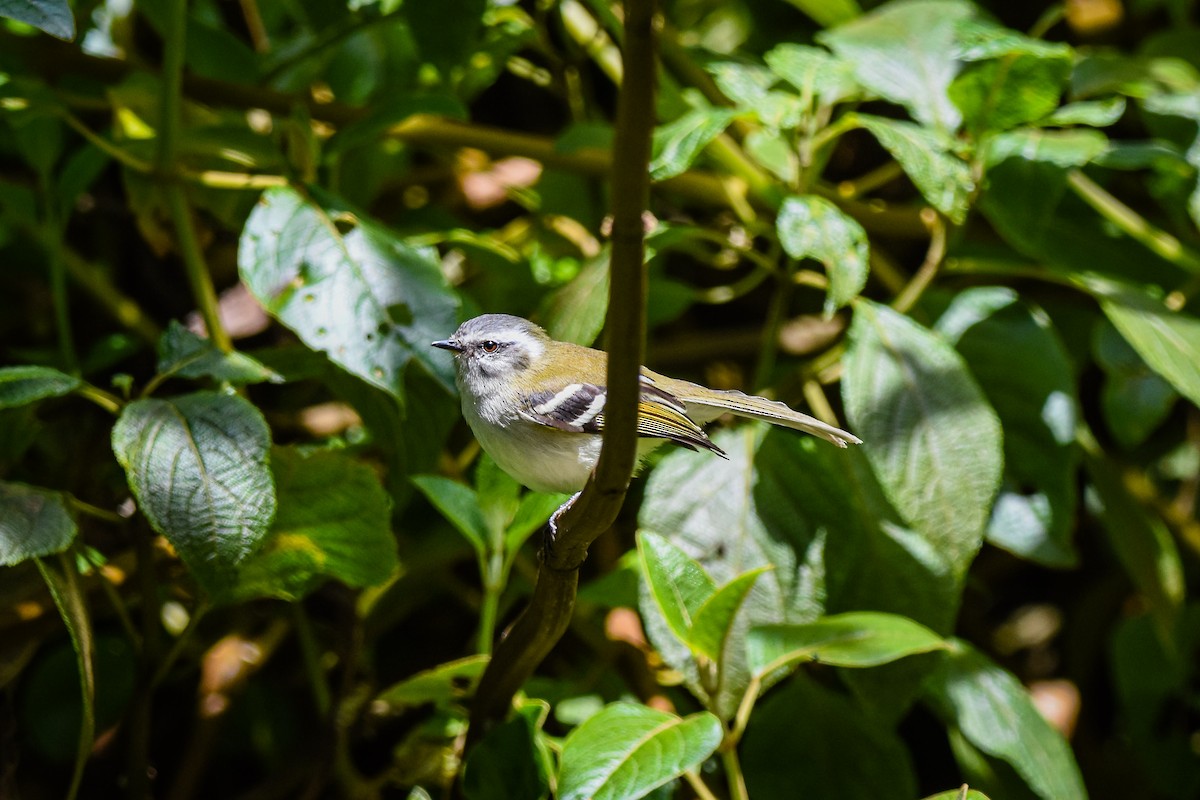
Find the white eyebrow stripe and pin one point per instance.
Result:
(589, 413)
(563, 396)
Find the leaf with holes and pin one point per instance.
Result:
(348, 287)
(812, 227)
(198, 467)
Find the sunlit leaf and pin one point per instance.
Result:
(943, 179)
(447, 683)
(627, 750)
(677, 144)
(679, 584)
(812, 227)
(813, 70)
(854, 639)
(713, 622)
(1168, 340)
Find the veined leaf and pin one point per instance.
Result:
(815, 71)
(22, 385)
(33, 522)
(679, 584)
(447, 683)
(677, 144)
(627, 750)
(712, 623)
(183, 353)
(52, 16)
(812, 227)
(853, 639)
(1168, 340)
(347, 287)
(197, 465)
(943, 179)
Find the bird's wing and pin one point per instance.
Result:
(579, 408)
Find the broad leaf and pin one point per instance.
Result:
(905, 52)
(626, 751)
(1096, 113)
(943, 179)
(805, 740)
(52, 16)
(22, 385)
(459, 505)
(713, 622)
(333, 522)
(932, 438)
(1169, 341)
(744, 84)
(679, 584)
(183, 353)
(508, 763)
(854, 639)
(33, 522)
(1024, 370)
(1135, 399)
(813, 71)
(812, 227)
(677, 144)
(347, 287)
(996, 715)
(197, 465)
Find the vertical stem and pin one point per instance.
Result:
(775, 316)
(168, 150)
(312, 660)
(140, 715)
(733, 773)
(58, 277)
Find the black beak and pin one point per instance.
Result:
(448, 344)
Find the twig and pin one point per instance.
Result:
(549, 611)
(928, 270)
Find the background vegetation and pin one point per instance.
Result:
(249, 549)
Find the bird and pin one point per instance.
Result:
(536, 405)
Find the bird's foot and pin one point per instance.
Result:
(550, 531)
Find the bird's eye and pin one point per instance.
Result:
(490, 347)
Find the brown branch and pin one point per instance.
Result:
(543, 622)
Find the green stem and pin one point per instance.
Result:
(487, 616)
(177, 647)
(733, 774)
(312, 660)
(1134, 224)
(53, 240)
(198, 276)
(929, 269)
(780, 301)
(109, 402)
(698, 785)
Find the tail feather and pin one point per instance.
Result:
(772, 411)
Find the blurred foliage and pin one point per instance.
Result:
(250, 550)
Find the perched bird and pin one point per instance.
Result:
(536, 405)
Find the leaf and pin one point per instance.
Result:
(958, 794)
(943, 179)
(347, 287)
(814, 71)
(333, 522)
(1002, 94)
(1135, 399)
(1141, 541)
(994, 712)
(905, 52)
(713, 622)
(443, 685)
(1096, 113)
(679, 584)
(63, 583)
(1168, 340)
(533, 512)
(575, 311)
(507, 763)
(812, 227)
(627, 750)
(198, 466)
(1068, 148)
(744, 84)
(677, 144)
(854, 639)
(22, 385)
(183, 353)
(932, 438)
(52, 16)
(805, 740)
(1024, 370)
(828, 12)
(33, 522)
(458, 503)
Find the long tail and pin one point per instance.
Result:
(772, 411)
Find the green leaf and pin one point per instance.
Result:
(828, 12)
(713, 623)
(33, 522)
(1135, 399)
(626, 751)
(995, 713)
(575, 312)
(507, 763)
(854, 639)
(52, 16)
(959, 794)
(980, 40)
(998, 95)
(1168, 340)
(905, 52)
(930, 435)
(459, 504)
(183, 353)
(744, 84)
(679, 584)
(814, 71)
(812, 227)
(805, 740)
(63, 583)
(347, 287)
(333, 522)
(445, 684)
(1141, 541)
(1096, 113)
(533, 512)
(677, 144)
(774, 153)
(943, 179)
(21, 385)
(1069, 148)
(198, 467)
(1024, 370)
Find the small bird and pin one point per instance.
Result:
(536, 405)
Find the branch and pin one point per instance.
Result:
(543, 622)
